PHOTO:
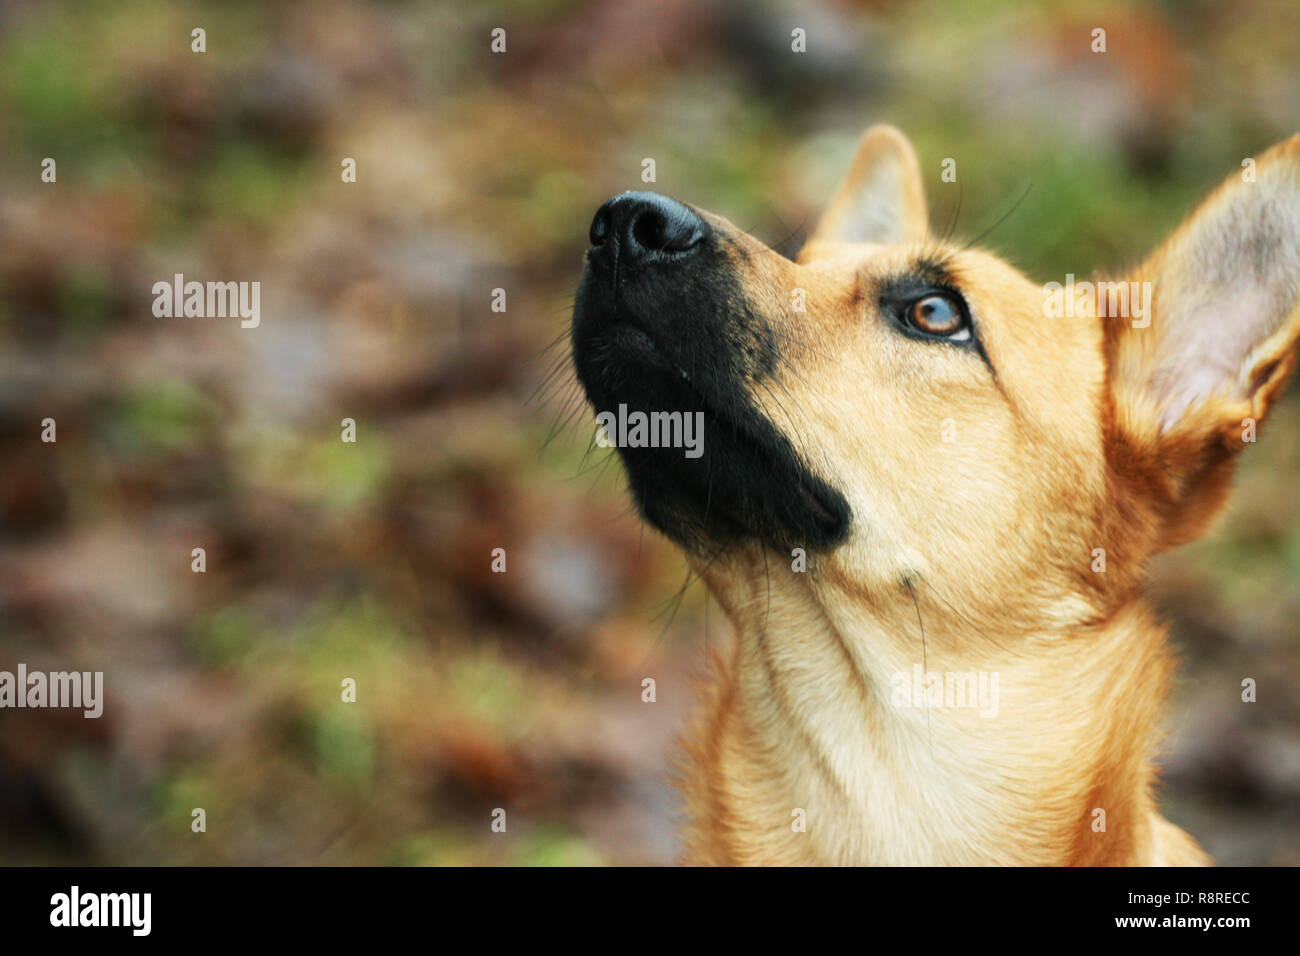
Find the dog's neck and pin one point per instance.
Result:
(962, 747)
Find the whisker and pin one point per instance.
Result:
(1003, 218)
(925, 669)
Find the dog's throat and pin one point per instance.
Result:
(825, 713)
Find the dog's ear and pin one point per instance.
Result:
(881, 199)
(1193, 379)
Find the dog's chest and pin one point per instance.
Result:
(828, 763)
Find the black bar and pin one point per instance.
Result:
(305, 905)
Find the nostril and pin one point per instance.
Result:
(599, 227)
(648, 230)
(657, 231)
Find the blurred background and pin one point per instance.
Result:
(478, 171)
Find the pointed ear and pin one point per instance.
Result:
(1193, 378)
(881, 199)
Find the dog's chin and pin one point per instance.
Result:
(743, 492)
(747, 484)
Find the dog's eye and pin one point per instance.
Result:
(939, 315)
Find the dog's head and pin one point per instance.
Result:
(904, 407)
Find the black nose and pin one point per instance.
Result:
(647, 226)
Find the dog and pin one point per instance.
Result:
(926, 500)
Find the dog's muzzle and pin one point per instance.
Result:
(663, 326)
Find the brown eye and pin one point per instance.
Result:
(936, 314)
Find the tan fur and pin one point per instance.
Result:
(975, 555)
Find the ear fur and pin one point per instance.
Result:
(1192, 382)
(881, 199)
